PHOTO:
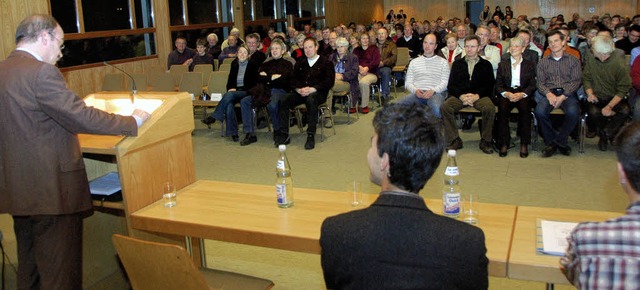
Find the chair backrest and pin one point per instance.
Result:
(205, 69)
(191, 83)
(225, 67)
(216, 64)
(505, 46)
(141, 82)
(228, 60)
(403, 56)
(176, 72)
(157, 266)
(161, 81)
(113, 82)
(218, 82)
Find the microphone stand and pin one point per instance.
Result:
(133, 81)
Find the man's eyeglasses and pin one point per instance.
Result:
(59, 40)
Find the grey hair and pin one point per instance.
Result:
(602, 44)
(30, 28)
(280, 43)
(341, 41)
(516, 40)
(300, 37)
(212, 35)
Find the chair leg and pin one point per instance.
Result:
(583, 132)
(534, 132)
(298, 114)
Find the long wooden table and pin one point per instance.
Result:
(248, 214)
(524, 261)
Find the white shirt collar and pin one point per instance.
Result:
(30, 52)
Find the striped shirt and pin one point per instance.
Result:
(605, 255)
(565, 73)
(427, 73)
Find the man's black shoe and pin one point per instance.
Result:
(235, 138)
(486, 147)
(208, 121)
(565, 150)
(311, 142)
(281, 139)
(549, 151)
(467, 122)
(248, 140)
(455, 144)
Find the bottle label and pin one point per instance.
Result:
(451, 204)
(280, 164)
(451, 171)
(281, 192)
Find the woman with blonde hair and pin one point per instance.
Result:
(452, 50)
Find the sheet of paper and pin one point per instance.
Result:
(105, 185)
(554, 236)
(216, 97)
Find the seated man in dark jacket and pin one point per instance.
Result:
(313, 77)
(397, 242)
(470, 89)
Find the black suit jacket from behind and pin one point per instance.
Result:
(398, 243)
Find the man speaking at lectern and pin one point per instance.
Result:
(43, 183)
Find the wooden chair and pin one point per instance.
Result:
(206, 70)
(141, 82)
(113, 82)
(161, 81)
(176, 72)
(191, 83)
(401, 65)
(345, 99)
(160, 266)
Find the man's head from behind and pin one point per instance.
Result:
(406, 147)
(628, 152)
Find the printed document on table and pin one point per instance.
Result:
(552, 236)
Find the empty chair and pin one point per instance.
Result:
(217, 82)
(206, 70)
(161, 81)
(227, 60)
(113, 82)
(191, 83)
(141, 82)
(160, 266)
(225, 67)
(216, 64)
(401, 65)
(176, 72)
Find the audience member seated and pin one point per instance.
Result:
(312, 79)
(528, 53)
(346, 70)
(427, 77)
(214, 47)
(255, 55)
(495, 38)
(388, 58)
(274, 78)
(331, 47)
(631, 41)
(470, 84)
(202, 56)
(410, 41)
(606, 255)
(182, 55)
(242, 77)
(452, 51)
(231, 50)
(354, 39)
(559, 76)
(397, 242)
(461, 32)
(298, 50)
(607, 81)
(236, 33)
(369, 59)
(635, 79)
(515, 86)
(487, 51)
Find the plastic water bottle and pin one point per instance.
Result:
(451, 189)
(284, 183)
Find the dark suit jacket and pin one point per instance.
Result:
(398, 243)
(481, 82)
(320, 76)
(250, 75)
(527, 77)
(41, 166)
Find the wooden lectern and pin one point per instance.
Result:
(161, 152)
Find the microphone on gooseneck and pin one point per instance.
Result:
(133, 81)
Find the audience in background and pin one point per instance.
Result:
(182, 55)
(202, 56)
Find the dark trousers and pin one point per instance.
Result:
(293, 99)
(524, 120)
(607, 125)
(49, 251)
(543, 109)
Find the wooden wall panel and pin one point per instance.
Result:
(345, 11)
(11, 13)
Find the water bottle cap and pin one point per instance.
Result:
(451, 153)
(282, 147)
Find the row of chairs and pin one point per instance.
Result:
(192, 82)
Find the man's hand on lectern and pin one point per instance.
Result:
(141, 116)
